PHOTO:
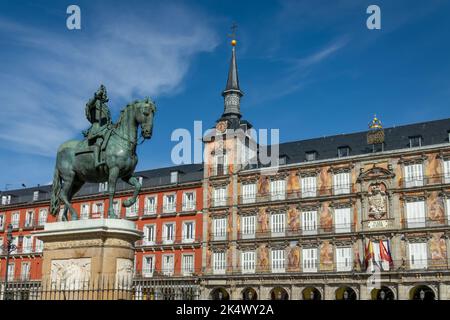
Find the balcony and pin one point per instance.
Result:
(177, 241)
(169, 208)
(188, 206)
(430, 180)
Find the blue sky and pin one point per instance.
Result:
(309, 68)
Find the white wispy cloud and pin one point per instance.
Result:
(322, 53)
(47, 76)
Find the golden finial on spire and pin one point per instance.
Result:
(375, 123)
(232, 35)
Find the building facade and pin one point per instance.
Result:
(355, 216)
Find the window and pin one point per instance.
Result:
(6, 200)
(97, 209)
(278, 189)
(2, 221)
(39, 245)
(116, 207)
(414, 175)
(278, 224)
(277, 256)
(15, 242)
(309, 258)
(174, 177)
(167, 265)
(15, 220)
(219, 197)
(150, 205)
(169, 204)
(383, 264)
(415, 214)
(25, 271)
(415, 141)
(35, 195)
(188, 231)
(29, 216)
(344, 261)
(343, 152)
(342, 220)
(188, 264)
(309, 222)
(85, 208)
(43, 213)
(103, 187)
(341, 183)
(11, 271)
(248, 227)
(220, 228)
(447, 171)
(248, 261)
(149, 234)
(219, 262)
(133, 211)
(248, 193)
(140, 180)
(168, 233)
(27, 244)
(221, 165)
(378, 147)
(309, 186)
(418, 255)
(189, 201)
(148, 266)
(310, 155)
(283, 160)
(448, 210)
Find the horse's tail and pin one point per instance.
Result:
(56, 189)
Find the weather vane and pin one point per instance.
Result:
(232, 35)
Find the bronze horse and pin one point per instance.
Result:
(75, 163)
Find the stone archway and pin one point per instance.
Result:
(384, 293)
(219, 294)
(279, 293)
(311, 293)
(422, 292)
(345, 293)
(249, 294)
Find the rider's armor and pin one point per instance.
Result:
(97, 112)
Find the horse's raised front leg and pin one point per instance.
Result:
(112, 180)
(137, 187)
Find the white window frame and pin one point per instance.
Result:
(416, 214)
(216, 164)
(169, 206)
(446, 165)
(277, 260)
(6, 200)
(448, 210)
(309, 260)
(25, 269)
(413, 175)
(344, 259)
(343, 220)
(341, 182)
(220, 196)
(189, 204)
(174, 177)
(148, 268)
(15, 242)
(248, 192)
(95, 209)
(219, 262)
(309, 222)
(85, 211)
(15, 219)
(103, 187)
(2, 221)
(248, 262)
(187, 267)
(150, 209)
(29, 218)
(278, 224)
(38, 245)
(27, 244)
(248, 226)
(168, 265)
(220, 229)
(149, 236)
(309, 186)
(418, 255)
(117, 207)
(191, 239)
(133, 211)
(36, 195)
(11, 271)
(166, 238)
(278, 189)
(377, 256)
(43, 215)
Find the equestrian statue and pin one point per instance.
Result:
(107, 153)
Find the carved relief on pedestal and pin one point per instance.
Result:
(124, 273)
(70, 274)
(377, 201)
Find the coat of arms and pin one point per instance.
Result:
(377, 201)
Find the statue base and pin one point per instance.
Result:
(88, 259)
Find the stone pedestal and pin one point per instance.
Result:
(88, 259)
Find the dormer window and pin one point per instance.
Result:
(174, 177)
(6, 199)
(103, 187)
(35, 195)
(415, 141)
(140, 179)
(283, 160)
(310, 155)
(343, 151)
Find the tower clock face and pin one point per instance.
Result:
(221, 126)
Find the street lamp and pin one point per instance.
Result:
(10, 247)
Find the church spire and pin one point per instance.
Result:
(232, 93)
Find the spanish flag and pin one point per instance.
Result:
(385, 253)
(369, 253)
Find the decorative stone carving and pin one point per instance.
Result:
(377, 200)
(124, 273)
(70, 274)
